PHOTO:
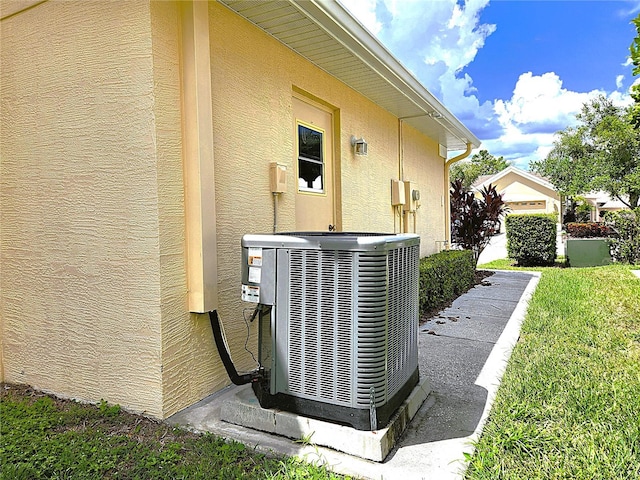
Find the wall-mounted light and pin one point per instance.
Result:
(360, 146)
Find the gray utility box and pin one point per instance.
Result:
(338, 333)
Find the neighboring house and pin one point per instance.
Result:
(136, 144)
(601, 202)
(522, 191)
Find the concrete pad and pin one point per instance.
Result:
(243, 409)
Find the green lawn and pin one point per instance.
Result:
(569, 402)
(44, 437)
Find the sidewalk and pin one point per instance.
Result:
(462, 352)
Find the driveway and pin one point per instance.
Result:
(496, 249)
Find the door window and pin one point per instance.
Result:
(310, 159)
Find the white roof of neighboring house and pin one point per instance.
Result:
(604, 201)
(613, 205)
(327, 35)
(485, 180)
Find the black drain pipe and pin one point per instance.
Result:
(235, 377)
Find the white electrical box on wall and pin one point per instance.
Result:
(411, 196)
(397, 193)
(278, 177)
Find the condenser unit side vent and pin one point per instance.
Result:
(403, 315)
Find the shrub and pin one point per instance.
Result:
(588, 230)
(443, 277)
(625, 247)
(531, 239)
(475, 220)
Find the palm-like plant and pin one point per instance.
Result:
(475, 220)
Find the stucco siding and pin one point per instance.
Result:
(521, 183)
(79, 245)
(185, 376)
(423, 165)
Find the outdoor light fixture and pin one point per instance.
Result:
(360, 146)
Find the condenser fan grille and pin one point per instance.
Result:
(372, 327)
(322, 359)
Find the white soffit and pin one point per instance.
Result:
(328, 36)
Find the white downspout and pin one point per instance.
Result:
(447, 203)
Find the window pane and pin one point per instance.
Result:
(309, 143)
(310, 166)
(310, 175)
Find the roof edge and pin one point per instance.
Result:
(333, 17)
(518, 171)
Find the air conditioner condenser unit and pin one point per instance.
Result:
(338, 330)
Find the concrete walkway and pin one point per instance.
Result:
(462, 352)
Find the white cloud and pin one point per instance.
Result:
(538, 108)
(540, 99)
(436, 40)
(365, 12)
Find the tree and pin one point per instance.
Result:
(601, 153)
(475, 220)
(634, 49)
(481, 163)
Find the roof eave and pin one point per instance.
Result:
(397, 90)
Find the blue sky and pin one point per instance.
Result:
(513, 71)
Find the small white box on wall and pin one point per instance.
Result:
(278, 177)
(397, 193)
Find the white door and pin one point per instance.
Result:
(314, 167)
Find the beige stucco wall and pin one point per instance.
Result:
(423, 166)
(93, 284)
(80, 246)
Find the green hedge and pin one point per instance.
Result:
(531, 239)
(443, 277)
(588, 230)
(625, 247)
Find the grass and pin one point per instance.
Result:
(569, 402)
(511, 264)
(45, 437)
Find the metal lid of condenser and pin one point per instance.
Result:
(347, 241)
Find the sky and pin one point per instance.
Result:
(512, 71)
